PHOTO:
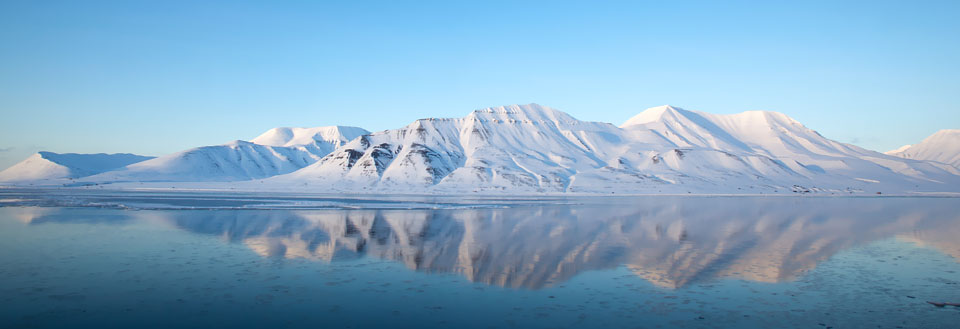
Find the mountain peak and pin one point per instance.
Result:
(947, 132)
(653, 114)
(942, 146)
(293, 136)
(672, 113)
(531, 112)
(50, 165)
(898, 150)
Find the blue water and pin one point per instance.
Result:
(655, 262)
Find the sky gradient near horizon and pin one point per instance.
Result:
(155, 77)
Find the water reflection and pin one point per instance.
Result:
(672, 242)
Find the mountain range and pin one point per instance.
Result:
(535, 149)
(52, 166)
(276, 152)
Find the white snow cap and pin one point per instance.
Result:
(293, 136)
(49, 165)
(898, 150)
(528, 112)
(651, 115)
(943, 146)
(672, 113)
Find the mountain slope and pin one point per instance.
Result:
(49, 165)
(233, 161)
(278, 151)
(942, 146)
(661, 150)
(798, 150)
(763, 132)
(532, 149)
(333, 136)
(519, 146)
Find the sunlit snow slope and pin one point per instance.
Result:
(49, 165)
(942, 146)
(278, 151)
(532, 149)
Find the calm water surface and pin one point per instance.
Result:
(119, 260)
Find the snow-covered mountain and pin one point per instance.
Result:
(49, 166)
(942, 146)
(533, 148)
(278, 151)
(526, 147)
(776, 148)
(327, 138)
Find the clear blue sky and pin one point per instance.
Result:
(154, 77)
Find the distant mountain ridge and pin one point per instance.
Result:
(332, 136)
(942, 146)
(534, 149)
(283, 150)
(49, 165)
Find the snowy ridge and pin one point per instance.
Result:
(533, 148)
(898, 150)
(278, 151)
(235, 161)
(943, 146)
(536, 149)
(49, 165)
(768, 133)
(519, 146)
(287, 136)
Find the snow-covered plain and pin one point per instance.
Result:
(523, 149)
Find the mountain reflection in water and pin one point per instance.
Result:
(670, 241)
